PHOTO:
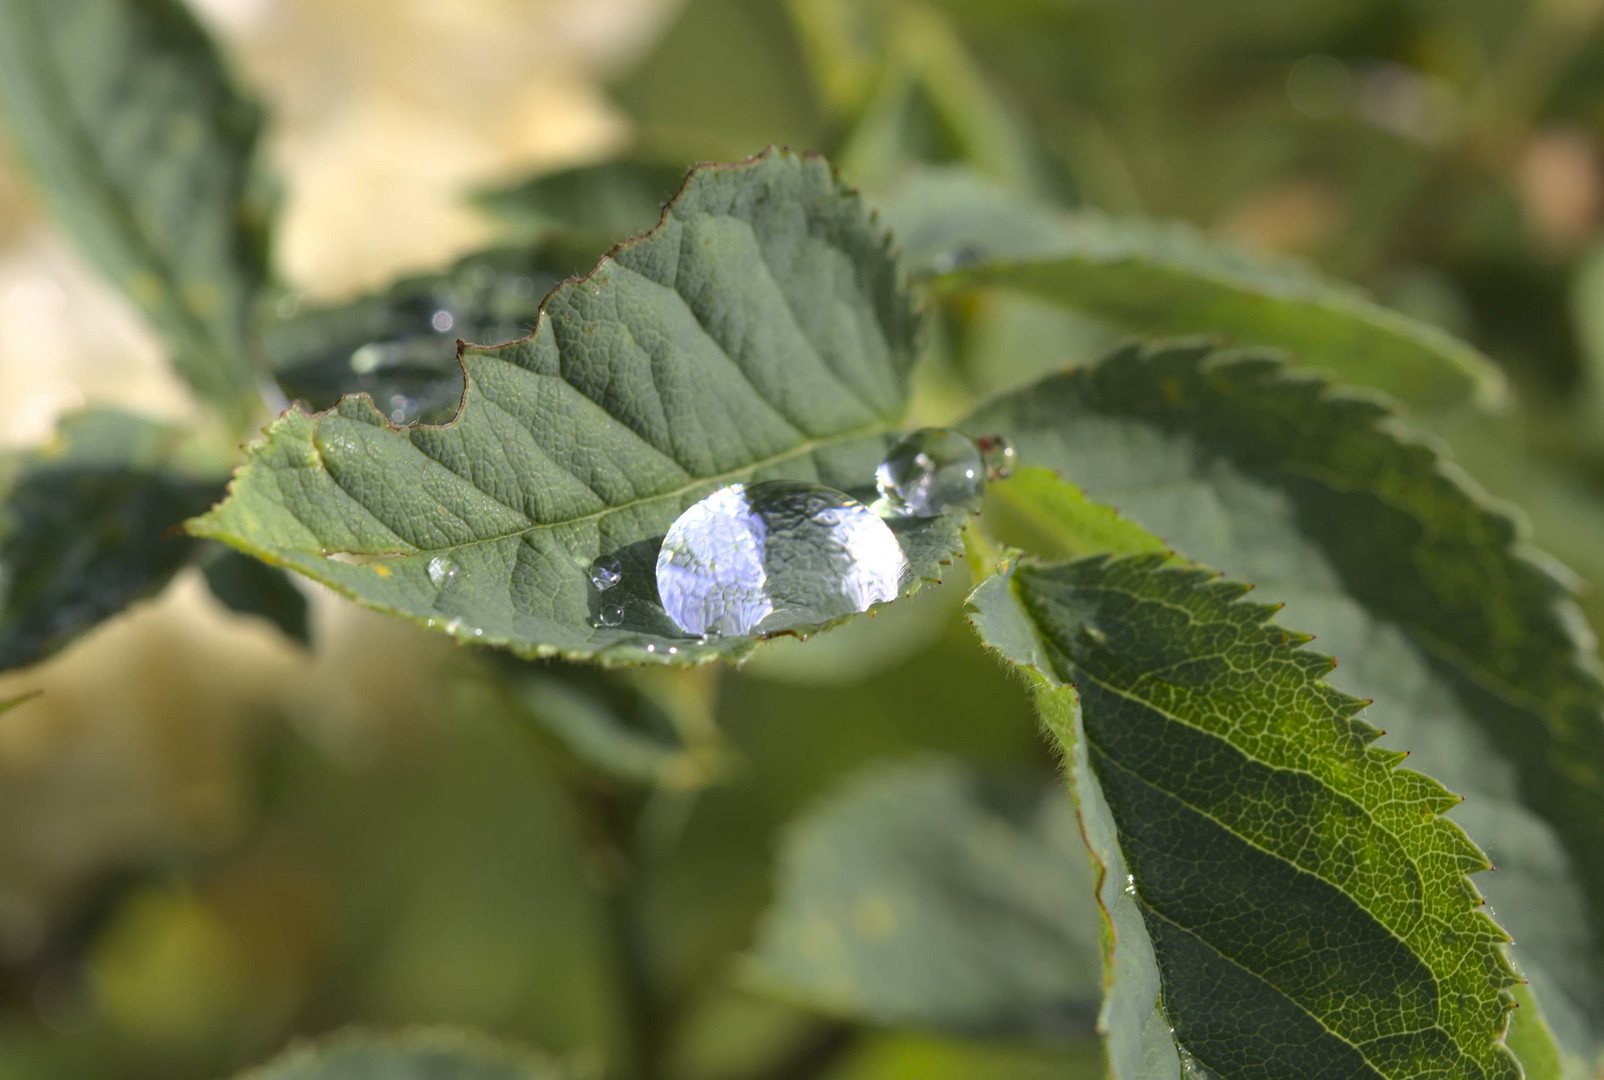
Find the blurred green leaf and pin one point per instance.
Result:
(142, 145)
(1471, 646)
(614, 724)
(85, 524)
(589, 207)
(922, 894)
(921, 1057)
(399, 346)
(1305, 906)
(727, 79)
(763, 330)
(248, 587)
(416, 1054)
(1167, 278)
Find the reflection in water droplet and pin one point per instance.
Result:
(999, 455)
(605, 573)
(610, 615)
(774, 555)
(442, 571)
(929, 471)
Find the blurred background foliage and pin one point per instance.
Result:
(213, 839)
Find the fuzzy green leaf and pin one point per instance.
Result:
(922, 894)
(142, 145)
(591, 206)
(1167, 278)
(762, 330)
(1300, 899)
(1468, 640)
(413, 1054)
(248, 587)
(399, 346)
(85, 524)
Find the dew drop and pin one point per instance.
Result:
(442, 571)
(931, 470)
(605, 573)
(998, 453)
(610, 615)
(454, 625)
(773, 555)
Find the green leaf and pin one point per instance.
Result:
(399, 346)
(614, 724)
(412, 1054)
(248, 587)
(761, 331)
(921, 894)
(589, 207)
(85, 525)
(1465, 636)
(1304, 904)
(1167, 278)
(142, 144)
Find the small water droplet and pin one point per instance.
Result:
(402, 409)
(1130, 884)
(998, 453)
(610, 615)
(1095, 634)
(673, 651)
(930, 471)
(442, 571)
(454, 625)
(651, 648)
(773, 555)
(442, 321)
(605, 573)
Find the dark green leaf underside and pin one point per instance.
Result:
(1305, 902)
(248, 587)
(597, 204)
(1470, 645)
(416, 1054)
(923, 894)
(760, 331)
(399, 346)
(84, 525)
(142, 146)
(1167, 278)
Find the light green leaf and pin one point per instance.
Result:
(84, 527)
(922, 894)
(412, 1054)
(1299, 897)
(248, 587)
(1467, 639)
(141, 145)
(762, 330)
(399, 346)
(1167, 278)
(588, 207)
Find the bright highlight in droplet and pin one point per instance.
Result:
(770, 556)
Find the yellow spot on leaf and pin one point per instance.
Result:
(382, 571)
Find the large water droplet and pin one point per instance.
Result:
(773, 555)
(442, 571)
(931, 470)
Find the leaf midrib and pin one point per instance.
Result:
(880, 427)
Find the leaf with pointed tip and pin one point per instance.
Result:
(1167, 278)
(142, 145)
(399, 345)
(923, 894)
(1471, 646)
(84, 527)
(762, 330)
(1299, 898)
(411, 1054)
